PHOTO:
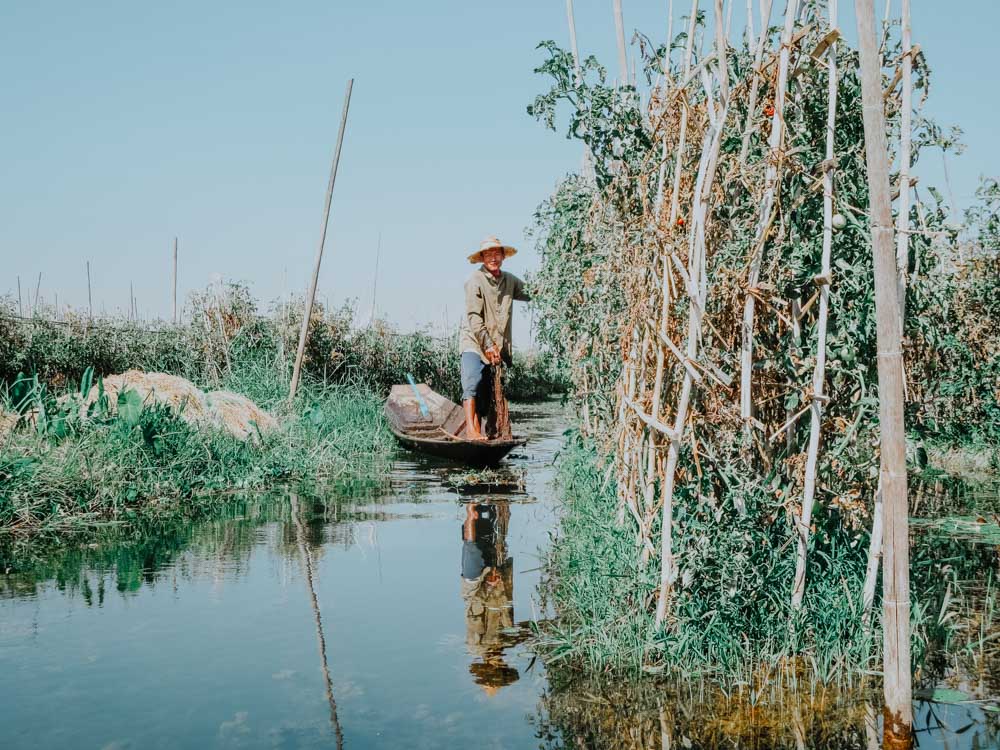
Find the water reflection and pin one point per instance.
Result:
(488, 593)
(695, 716)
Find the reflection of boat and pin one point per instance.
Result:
(426, 421)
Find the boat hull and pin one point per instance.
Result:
(432, 424)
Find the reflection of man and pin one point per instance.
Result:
(488, 592)
(485, 339)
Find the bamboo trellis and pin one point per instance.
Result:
(694, 314)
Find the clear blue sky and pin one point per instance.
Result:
(126, 123)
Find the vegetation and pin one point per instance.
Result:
(63, 475)
(710, 284)
(64, 478)
(228, 337)
(733, 624)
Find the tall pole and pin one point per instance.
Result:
(572, 41)
(587, 166)
(895, 558)
(20, 305)
(378, 252)
(90, 296)
(311, 297)
(620, 31)
(175, 282)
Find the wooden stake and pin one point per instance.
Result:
(175, 283)
(895, 559)
(311, 296)
(819, 371)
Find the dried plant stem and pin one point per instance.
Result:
(765, 213)
(819, 372)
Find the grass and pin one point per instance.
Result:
(731, 620)
(57, 485)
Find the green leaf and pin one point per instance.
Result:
(130, 407)
(942, 695)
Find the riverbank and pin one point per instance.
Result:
(734, 623)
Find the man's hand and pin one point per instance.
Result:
(493, 355)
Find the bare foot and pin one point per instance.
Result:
(477, 436)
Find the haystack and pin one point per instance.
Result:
(225, 410)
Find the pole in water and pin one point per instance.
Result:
(897, 680)
(311, 296)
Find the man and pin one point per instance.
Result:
(484, 341)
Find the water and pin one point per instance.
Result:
(213, 635)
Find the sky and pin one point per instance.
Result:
(125, 124)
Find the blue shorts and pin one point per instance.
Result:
(476, 376)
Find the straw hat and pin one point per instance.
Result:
(488, 244)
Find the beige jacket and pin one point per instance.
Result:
(488, 303)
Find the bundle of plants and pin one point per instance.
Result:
(712, 278)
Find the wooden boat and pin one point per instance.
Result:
(426, 421)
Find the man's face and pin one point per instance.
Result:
(493, 259)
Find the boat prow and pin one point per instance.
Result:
(424, 420)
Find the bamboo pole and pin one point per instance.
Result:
(903, 217)
(688, 47)
(874, 555)
(697, 294)
(311, 296)
(572, 41)
(38, 291)
(667, 84)
(20, 305)
(895, 559)
(587, 167)
(175, 283)
(758, 56)
(90, 296)
(620, 33)
(819, 371)
(378, 253)
(766, 213)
